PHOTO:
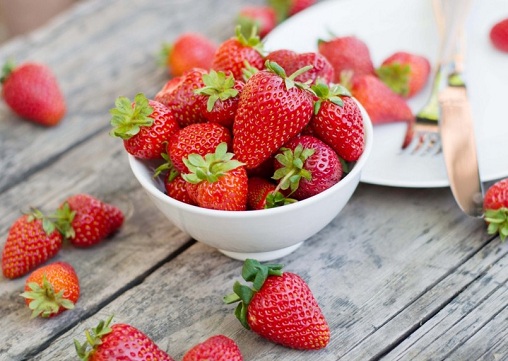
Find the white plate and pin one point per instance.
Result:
(392, 25)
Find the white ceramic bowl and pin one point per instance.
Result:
(263, 234)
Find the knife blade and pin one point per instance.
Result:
(457, 133)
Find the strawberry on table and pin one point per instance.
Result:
(215, 348)
(189, 50)
(32, 240)
(338, 121)
(217, 181)
(144, 125)
(273, 108)
(119, 341)
(260, 18)
(279, 307)
(51, 289)
(32, 91)
(405, 73)
(495, 206)
(499, 35)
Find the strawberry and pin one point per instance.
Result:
(144, 125)
(32, 240)
(215, 348)
(273, 108)
(220, 97)
(32, 91)
(174, 184)
(349, 56)
(51, 289)
(338, 121)
(260, 18)
(200, 138)
(288, 8)
(233, 54)
(495, 205)
(291, 61)
(86, 220)
(405, 73)
(189, 50)
(279, 307)
(307, 166)
(263, 194)
(120, 341)
(381, 103)
(179, 96)
(499, 35)
(217, 181)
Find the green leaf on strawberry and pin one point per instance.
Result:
(218, 86)
(331, 93)
(128, 117)
(498, 222)
(293, 167)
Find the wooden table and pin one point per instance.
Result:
(400, 274)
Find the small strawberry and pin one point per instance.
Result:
(144, 125)
(217, 181)
(273, 108)
(260, 18)
(32, 240)
(263, 194)
(233, 54)
(288, 8)
(381, 103)
(85, 220)
(405, 73)
(118, 342)
(32, 91)
(279, 307)
(338, 121)
(189, 50)
(200, 138)
(179, 96)
(322, 70)
(51, 289)
(307, 166)
(221, 94)
(495, 205)
(215, 348)
(499, 35)
(349, 56)
(174, 184)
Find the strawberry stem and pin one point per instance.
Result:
(44, 301)
(129, 117)
(497, 220)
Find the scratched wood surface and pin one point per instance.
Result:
(400, 274)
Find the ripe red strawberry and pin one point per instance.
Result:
(200, 138)
(287, 8)
(299, 322)
(221, 95)
(189, 50)
(32, 240)
(233, 53)
(338, 121)
(291, 61)
(215, 348)
(86, 220)
(262, 194)
(174, 184)
(32, 91)
(51, 289)
(273, 108)
(349, 56)
(179, 96)
(405, 73)
(118, 342)
(260, 18)
(495, 205)
(144, 125)
(381, 103)
(217, 181)
(499, 35)
(307, 166)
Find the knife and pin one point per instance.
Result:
(457, 129)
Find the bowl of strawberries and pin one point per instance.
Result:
(251, 157)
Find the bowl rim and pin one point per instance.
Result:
(355, 172)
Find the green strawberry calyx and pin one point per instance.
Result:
(128, 117)
(62, 218)
(211, 167)
(497, 220)
(48, 224)
(93, 339)
(218, 86)
(167, 167)
(257, 273)
(332, 93)
(44, 301)
(252, 40)
(396, 76)
(289, 81)
(7, 70)
(292, 170)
